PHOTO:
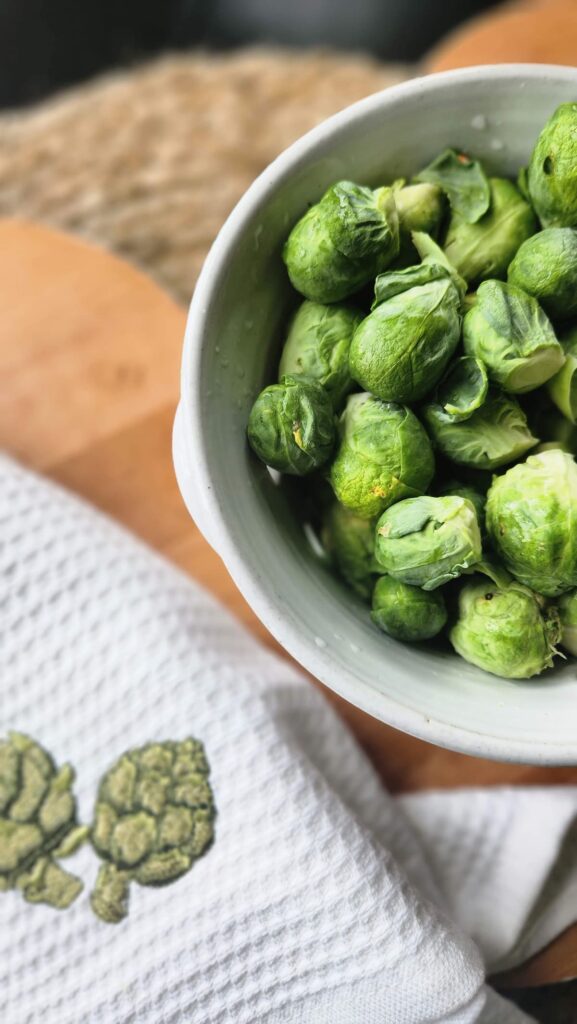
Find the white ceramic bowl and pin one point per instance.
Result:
(233, 337)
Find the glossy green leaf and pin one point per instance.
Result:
(463, 388)
(463, 180)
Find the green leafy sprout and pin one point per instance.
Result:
(448, 429)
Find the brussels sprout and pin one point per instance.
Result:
(401, 349)
(420, 207)
(494, 435)
(291, 425)
(509, 331)
(551, 174)
(342, 242)
(428, 541)
(545, 266)
(562, 388)
(464, 182)
(532, 521)
(568, 615)
(476, 497)
(350, 543)
(407, 613)
(384, 455)
(505, 631)
(485, 249)
(463, 389)
(318, 345)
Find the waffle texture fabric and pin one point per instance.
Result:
(323, 899)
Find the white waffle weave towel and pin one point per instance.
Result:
(323, 899)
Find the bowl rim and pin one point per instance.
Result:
(316, 661)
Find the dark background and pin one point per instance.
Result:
(48, 44)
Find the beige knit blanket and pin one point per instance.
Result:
(149, 162)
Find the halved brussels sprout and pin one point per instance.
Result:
(506, 631)
(350, 543)
(485, 249)
(463, 180)
(291, 426)
(509, 331)
(492, 436)
(463, 389)
(318, 345)
(551, 176)
(342, 242)
(568, 615)
(428, 541)
(545, 266)
(401, 349)
(532, 521)
(384, 455)
(407, 613)
(562, 388)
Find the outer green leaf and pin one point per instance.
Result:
(463, 180)
(493, 436)
(463, 388)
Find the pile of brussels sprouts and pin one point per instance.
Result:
(465, 362)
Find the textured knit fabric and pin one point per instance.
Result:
(323, 900)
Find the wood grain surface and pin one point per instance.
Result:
(89, 364)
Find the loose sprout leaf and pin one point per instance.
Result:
(463, 180)
(485, 249)
(494, 435)
(463, 389)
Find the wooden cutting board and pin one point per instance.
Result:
(89, 364)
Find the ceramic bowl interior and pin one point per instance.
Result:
(234, 336)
